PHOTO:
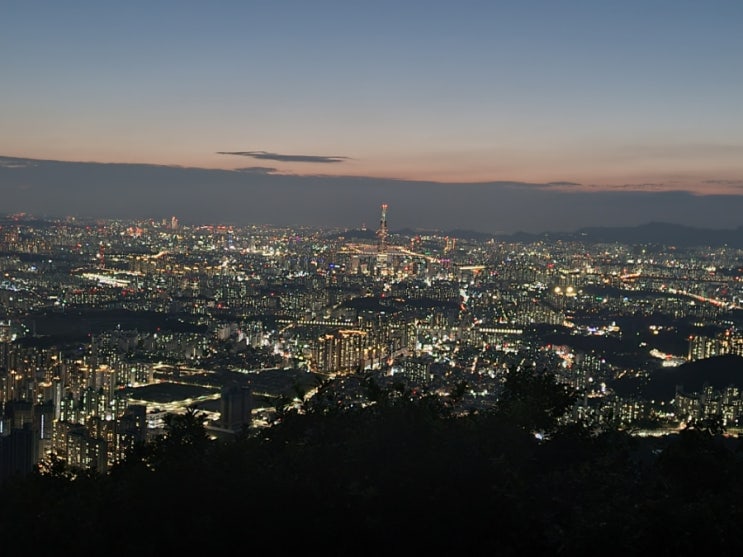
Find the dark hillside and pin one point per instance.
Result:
(401, 474)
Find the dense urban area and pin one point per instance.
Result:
(108, 326)
(179, 386)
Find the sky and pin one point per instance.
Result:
(640, 96)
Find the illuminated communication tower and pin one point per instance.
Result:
(382, 232)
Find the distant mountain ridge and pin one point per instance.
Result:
(690, 378)
(658, 233)
(655, 233)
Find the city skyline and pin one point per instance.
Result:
(548, 115)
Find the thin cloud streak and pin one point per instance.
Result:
(728, 183)
(258, 170)
(265, 155)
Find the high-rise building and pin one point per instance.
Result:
(382, 232)
(18, 452)
(236, 407)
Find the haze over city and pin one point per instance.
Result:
(491, 116)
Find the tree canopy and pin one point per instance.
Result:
(401, 473)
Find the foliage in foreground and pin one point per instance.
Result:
(402, 474)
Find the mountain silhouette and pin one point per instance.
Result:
(718, 372)
(658, 233)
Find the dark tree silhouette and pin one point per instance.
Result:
(535, 401)
(406, 474)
